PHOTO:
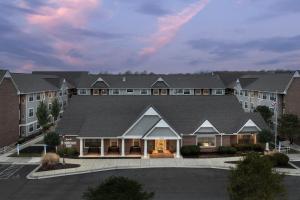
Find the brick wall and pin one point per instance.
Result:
(9, 113)
(292, 98)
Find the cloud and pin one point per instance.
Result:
(169, 25)
(230, 49)
(151, 8)
(61, 12)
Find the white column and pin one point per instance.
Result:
(145, 149)
(221, 139)
(178, 148)
(81, 147)
(102, 147)
(123, 147)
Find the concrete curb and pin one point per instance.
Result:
(32, 177)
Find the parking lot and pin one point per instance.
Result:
(9, 171)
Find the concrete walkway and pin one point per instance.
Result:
(96, 165)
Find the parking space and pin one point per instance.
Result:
(8, 171)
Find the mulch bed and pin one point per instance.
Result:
(288, 166)
(59, 166)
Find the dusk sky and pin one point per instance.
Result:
(162, 36)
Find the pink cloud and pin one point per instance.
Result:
(169, 25)
(59, 12)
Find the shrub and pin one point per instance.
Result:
(69, 152)
(52, 139)
(190, 150)
(118, 188)
(253, 178)
(249, 147)
(258, 147)
(49, 160)
(279, 159)
(227, 150)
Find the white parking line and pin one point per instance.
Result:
(9, 171)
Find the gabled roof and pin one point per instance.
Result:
(99, 83)
(147, 81)
(98, 116)
(160, 83)
(72, 77)
(270, 82)
(30, 83)
(2, 74)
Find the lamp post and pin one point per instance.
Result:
(63, 141)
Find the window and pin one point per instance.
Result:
(30, 128)
(197, 91)
(65, 92)
(206, 92)
(246, 93)
(129, 91)
(219, 92)
(30, 98)
(207, 141)
(116, 91)
(246, 105)
(179, 91)
(49, 106)
(252, 106)
(103, 92)
(96, 92)
(144, 91)
(241, 92)
(186, 91)
(92, 143)
(156, 92)
(264, 95)
(273, 97)
(136, 142)
(164, 91)
(60, 93)
(30, 112)
(38, 126)
(82, 91)
(113, 142)
(38, 97)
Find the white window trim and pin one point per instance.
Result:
(31, 95)
(29, 112)
(32, 128)
(207, 136)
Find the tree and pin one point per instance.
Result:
(118, 188)
(52, 139)
(265, 112)
(265, 136)
(55, 109)
(289, 126)
(42, 114)
(254, 178)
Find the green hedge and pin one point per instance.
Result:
(68, 152)
(227, 150)
(249, 147)
(279, 159)
(190, 150)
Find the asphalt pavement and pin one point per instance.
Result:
(167, 183)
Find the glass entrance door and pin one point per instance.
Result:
(160, 146)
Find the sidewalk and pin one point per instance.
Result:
(96, 165)
(4, 158)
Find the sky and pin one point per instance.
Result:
(161, 36)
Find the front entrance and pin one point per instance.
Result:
(160, 146)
